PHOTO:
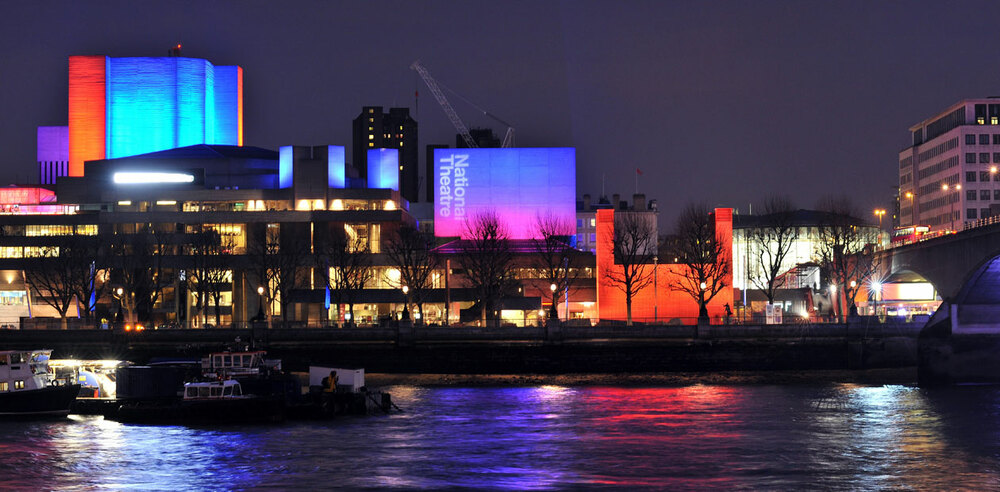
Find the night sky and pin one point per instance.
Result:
(718, 102)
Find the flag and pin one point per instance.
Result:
(638, 171)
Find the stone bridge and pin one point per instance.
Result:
(961, 342)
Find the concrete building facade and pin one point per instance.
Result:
(948, 176)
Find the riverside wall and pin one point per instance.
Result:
(554, 349)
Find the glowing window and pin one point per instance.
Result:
(149, 178)
(124, 203)
(371, 137)
(337, 204)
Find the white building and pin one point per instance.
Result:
(948, 177)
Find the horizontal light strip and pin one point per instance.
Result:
(148, 178)
(166, 202)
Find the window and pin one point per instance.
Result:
(970, 213)
(970, 140)
(996, 139)
(579, 238)
(984, 194)
(970, 176)
(984, 139)
(4, 386)
(593, 222)
(996, 157)
(984, 157)
(593, 237)
(980, 114)
(579, 223)
(970, 158)
(996, 194)
(970, 194)
(984, 176)
(19, 384)
(371, 137)
(984, 213)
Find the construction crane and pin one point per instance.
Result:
(463, 131)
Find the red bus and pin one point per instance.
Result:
(908, 235)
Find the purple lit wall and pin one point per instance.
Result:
(383, 169)
(518, 184)
(52, 153)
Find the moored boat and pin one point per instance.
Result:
(28, 389)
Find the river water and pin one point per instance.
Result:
(823, 436)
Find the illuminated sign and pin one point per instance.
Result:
(520, 185)
(383, 169)
(151, 178)
(26, 196)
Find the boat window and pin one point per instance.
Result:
(228, 391)
(203, 391)
(19, 385)
(237, 391)
(218, 361)
(4, 386)
(246, 361)
(216, 391)
(192, 392)
(227, 361)
(15, 358)
(3, 359)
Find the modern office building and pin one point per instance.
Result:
(948, 176)
(374, 129)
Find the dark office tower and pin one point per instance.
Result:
(429, 163)
(484, 138)
(374, 129)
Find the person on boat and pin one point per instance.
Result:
(330, 383)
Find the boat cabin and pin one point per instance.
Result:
(24, 370)
(212, 390)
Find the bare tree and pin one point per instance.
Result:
(633, 243)
(556, 262)
(488, 261)
(702, 256)
(260, 251)
(90, 286)
(769, 242)
(347, 268)
(410, 251)
(846, 249)
(52, 276)
(210, 271)
(293, 253)
(139, 263)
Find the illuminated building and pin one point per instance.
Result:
(52, 153)
(120, 107)
(958, 147)
(374, 129)
(586, 216)
(657, 302)
(520, 185)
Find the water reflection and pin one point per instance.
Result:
(841, 437)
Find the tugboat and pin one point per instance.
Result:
(28, 389)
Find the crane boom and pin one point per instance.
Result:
(445, 105)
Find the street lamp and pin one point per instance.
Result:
(879, 212)
(913, 213)
(958, 188)
(876, 293)
(554, 312)
(406, 302)
(260, 303)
